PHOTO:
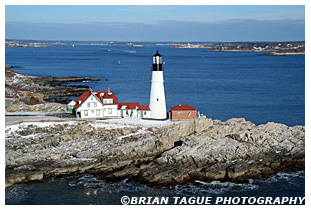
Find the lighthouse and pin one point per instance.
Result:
(157, 95)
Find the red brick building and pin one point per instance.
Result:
(183, 112)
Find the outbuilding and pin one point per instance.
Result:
(182, 112)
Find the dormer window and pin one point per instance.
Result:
(108, 101)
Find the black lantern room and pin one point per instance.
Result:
(157, 62)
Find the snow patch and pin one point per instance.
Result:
(143, 123)
(141, 131)
(107, 125)
(11, 129)
(76, 160)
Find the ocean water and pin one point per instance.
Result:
(221, 85)
(91, 189)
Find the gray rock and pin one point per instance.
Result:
(200, 149)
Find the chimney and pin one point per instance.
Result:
(90, 89)
(109, 93)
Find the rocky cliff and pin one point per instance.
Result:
(202, 149)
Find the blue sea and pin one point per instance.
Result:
(221, 85)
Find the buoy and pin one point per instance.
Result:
(202, 57)
(119, 62)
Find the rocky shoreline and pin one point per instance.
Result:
(201, 149)
(31, 93)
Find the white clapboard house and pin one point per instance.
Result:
(104, 104)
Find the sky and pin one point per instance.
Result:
(176, 23)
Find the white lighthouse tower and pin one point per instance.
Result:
(157, 96)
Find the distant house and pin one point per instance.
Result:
(182, 112)
(104, 104)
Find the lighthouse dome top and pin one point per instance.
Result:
(157, 54)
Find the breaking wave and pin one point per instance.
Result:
(92, 189)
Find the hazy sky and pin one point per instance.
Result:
(156, 23)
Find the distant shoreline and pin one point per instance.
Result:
(267, 48)
(283, 54)
(267, 54)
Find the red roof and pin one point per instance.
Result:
(128, 105)
(105, 95)
(100, 95)
(144, 107)
(82, 98)
(97, 94)
(182, 108)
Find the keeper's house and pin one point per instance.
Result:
(104, 104)
(182, 112)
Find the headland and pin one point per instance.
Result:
(160, 155)
(196, 150)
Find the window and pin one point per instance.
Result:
(189, 114)
(92, 111)
(157, 99)
(85, 112)
(109, 111)
(91, 97)
(88, 104)
(178, 114)
(97, 112)
(95, 104)
(144, 112)
(108, 101)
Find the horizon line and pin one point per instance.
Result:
(149, 41)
